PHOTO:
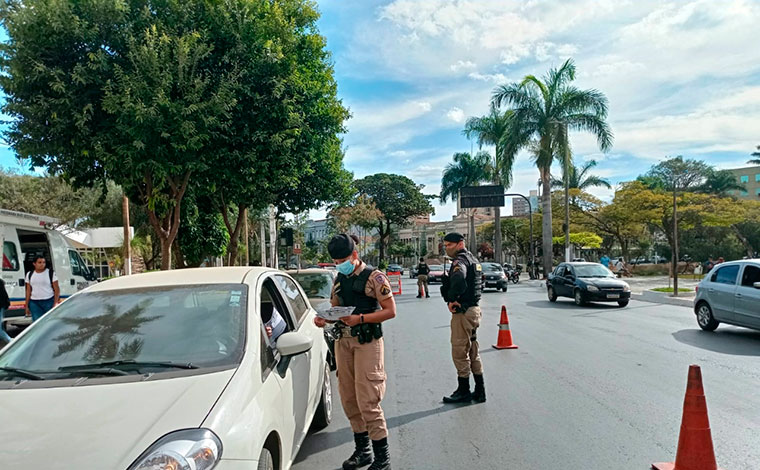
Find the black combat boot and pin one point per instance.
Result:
(461, 394)
(479, 394)
(382, 455)
(362, 456)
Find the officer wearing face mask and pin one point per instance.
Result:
(359, 352)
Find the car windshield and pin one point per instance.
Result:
(593, 270)
(491, 267)
(197, 325)
(316, 285)
(436, 267)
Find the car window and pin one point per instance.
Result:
(298, 305)
(275, 314)
(569, 271)
(491, 267)
(436, 267)
(76, 268)
(317, 286)
(593, 270)
(560, 271)
(726, 275)
(751, 275)
(199, 324)
(10, 257)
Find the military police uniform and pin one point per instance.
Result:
(464, 285)
(359, 354)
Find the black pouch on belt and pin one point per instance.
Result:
(366, 332)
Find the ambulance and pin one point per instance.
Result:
(26, 236)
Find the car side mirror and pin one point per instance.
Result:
(757, 285)
(293, 344)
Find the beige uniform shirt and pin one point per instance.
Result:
(378, 287)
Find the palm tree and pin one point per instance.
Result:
(465, 170)
(492, 129)
(581, 179)
(755, 161)
(544, 111)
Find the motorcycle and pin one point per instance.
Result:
(514, 276)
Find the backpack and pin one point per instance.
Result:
(50, 275)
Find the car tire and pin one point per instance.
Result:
(578, 297)
(504, 289)
(705, 318)
(552, 294)
(323, 415)
(266, 461)
(622, 303)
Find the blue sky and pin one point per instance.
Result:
(682, 77)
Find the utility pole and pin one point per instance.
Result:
(247, 242)
(273, 238)
(263, 242)
(127, 236)
(567, 196)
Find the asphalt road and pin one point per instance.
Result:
(597, 387)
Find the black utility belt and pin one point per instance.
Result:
(465, 307)
(366, 332)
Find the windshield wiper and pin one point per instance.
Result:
(92, 370)
(127, 363)
(22, 373)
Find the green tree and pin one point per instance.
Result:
(398, 198)
(544, 111)
(493, 129)
(202, 233)
(580, 240)
(720, 182)
(756, 160)
(580, 178)
(465, 170)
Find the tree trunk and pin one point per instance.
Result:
(179, 258)
(166, 229)
(497, 234)
(546, 228)
(232, 247)
(675, 245)
(750, 250)
(567, 200)
(473, 237)
(166, 254)
(381, 248)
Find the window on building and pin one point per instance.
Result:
(757, 178)
(744, 178)
(757, 192)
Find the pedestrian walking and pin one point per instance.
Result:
(422, 279)
(605, 261)
(461, 290)
(5, 303)
(359, 351)
(42, 292)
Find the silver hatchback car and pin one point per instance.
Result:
(730, 293)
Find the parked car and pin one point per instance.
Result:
(170, 369)
(436, 273)
(318, 283)
(494, 276)
(587, 282)
(730, 293)
(395, 268)
(641, 260)
(330, 266)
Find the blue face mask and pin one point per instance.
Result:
(346, 267)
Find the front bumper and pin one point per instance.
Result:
(498, 284)
(237, 465)
(607, 296)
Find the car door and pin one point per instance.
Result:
(558, 279)
(569, 281)
(747, 299)
(294, 372)
(722, 290)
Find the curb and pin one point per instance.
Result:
(663, 298)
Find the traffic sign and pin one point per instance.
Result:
(296, 248)
(481, 196)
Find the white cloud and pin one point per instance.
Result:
(456, 115)
(496, 78)
(462, 65)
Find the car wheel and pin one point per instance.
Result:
(579, 300)
(504, 289)
(622, 303)
(705, 318)
(266, 462)
(323, 415)
(552, 294)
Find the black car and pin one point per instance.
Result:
(587, 282)
(494, 276)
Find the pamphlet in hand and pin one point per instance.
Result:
(328, 312)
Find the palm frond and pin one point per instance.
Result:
(575, 101)
(532, 81)
(593, 124)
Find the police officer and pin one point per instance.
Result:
(461, 290)
(422, 279)
(359, 351)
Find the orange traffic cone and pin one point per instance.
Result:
(695, 447)
(504, 340)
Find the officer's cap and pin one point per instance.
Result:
(453, 237)
(341, 246)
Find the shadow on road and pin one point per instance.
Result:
(734, 341)
(322, 441)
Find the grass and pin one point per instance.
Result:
(670, 289)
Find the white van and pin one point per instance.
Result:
(25, 236)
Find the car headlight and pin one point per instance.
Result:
(189, 449)
(627, 288)
(592, 288)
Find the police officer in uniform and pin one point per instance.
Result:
(422, 279)
(461, 290)
(359, 351)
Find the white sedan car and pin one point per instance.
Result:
(197, 369)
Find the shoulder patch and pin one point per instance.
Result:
(478, 267)
(455, 268)
(385, 290)
(379, 278)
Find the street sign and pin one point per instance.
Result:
(296, 248)
(481, 196)
(394, 278)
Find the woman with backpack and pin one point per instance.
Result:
(42, 292)
(5, 303)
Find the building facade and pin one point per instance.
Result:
(749, 177)
(520, 206)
